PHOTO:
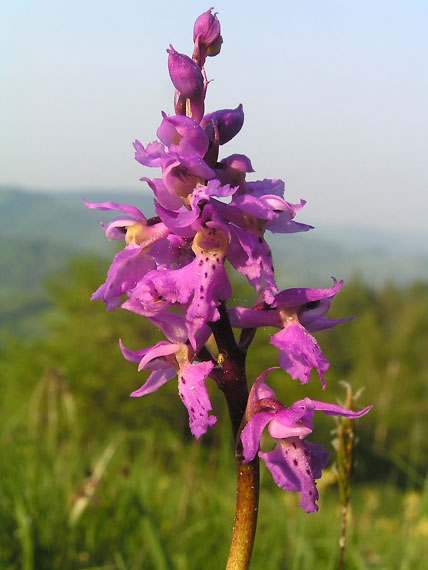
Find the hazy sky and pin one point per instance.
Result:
(334, 93)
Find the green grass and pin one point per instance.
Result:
(146, 499)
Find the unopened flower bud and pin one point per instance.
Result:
(207, 30)
(228, 121)
(207, 38)
(185, 75)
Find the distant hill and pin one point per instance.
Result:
(40, 231)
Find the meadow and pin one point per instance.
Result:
(91, 479)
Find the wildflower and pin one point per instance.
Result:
(198, 288)
(294, 463)
(133, 262)
(297, 312)
(176, 358)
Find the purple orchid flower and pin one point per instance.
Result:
(132, 263)
(176, 358)
(183, 167)
(198, 287)
(297, 312)
(294, 463)
(201, 208)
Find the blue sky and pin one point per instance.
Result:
(334, 95)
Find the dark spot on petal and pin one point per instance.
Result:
(311, 305)
(310, 493)
(218, 259)
(205, 275)
(260, 240)
(295, 462)
(308, 472)
(294, 445)
(192, 410)
(214, 267)
(207, 259)
(201, 288)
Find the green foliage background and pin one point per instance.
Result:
(92, 479)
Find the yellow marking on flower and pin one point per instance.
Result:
(136, 234)
(182, 355)
(210, 242)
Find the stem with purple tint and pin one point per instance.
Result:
(233, 383)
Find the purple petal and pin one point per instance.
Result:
(194, 393)
(263, 187)
(252, 432)
(120, 207)
(335, 410)
(300, 296)
(116, 229)
(243, 318)
(150, 156)
(173, 327)
(168, 199)
(128, 267)
(184, 133)
(283, 224)
(286, 424)
(318, 458)
(299, 353)
(325, 324)
(156, 379)
(291, 470)
(159, 350)
(238, 162)
(250, 255)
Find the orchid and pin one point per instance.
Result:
(174, 270)
(297, 312)
(294, 463)
(176, 358)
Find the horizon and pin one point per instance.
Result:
(334, 98)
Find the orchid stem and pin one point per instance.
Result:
(233, 383)
(244, 527)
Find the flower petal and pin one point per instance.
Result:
(194, 393)
(156, 379)
(299, 353)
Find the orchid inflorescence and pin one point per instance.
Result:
(173, 271)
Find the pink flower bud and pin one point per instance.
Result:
(185, 75)
(228, 121)
(207, 30)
